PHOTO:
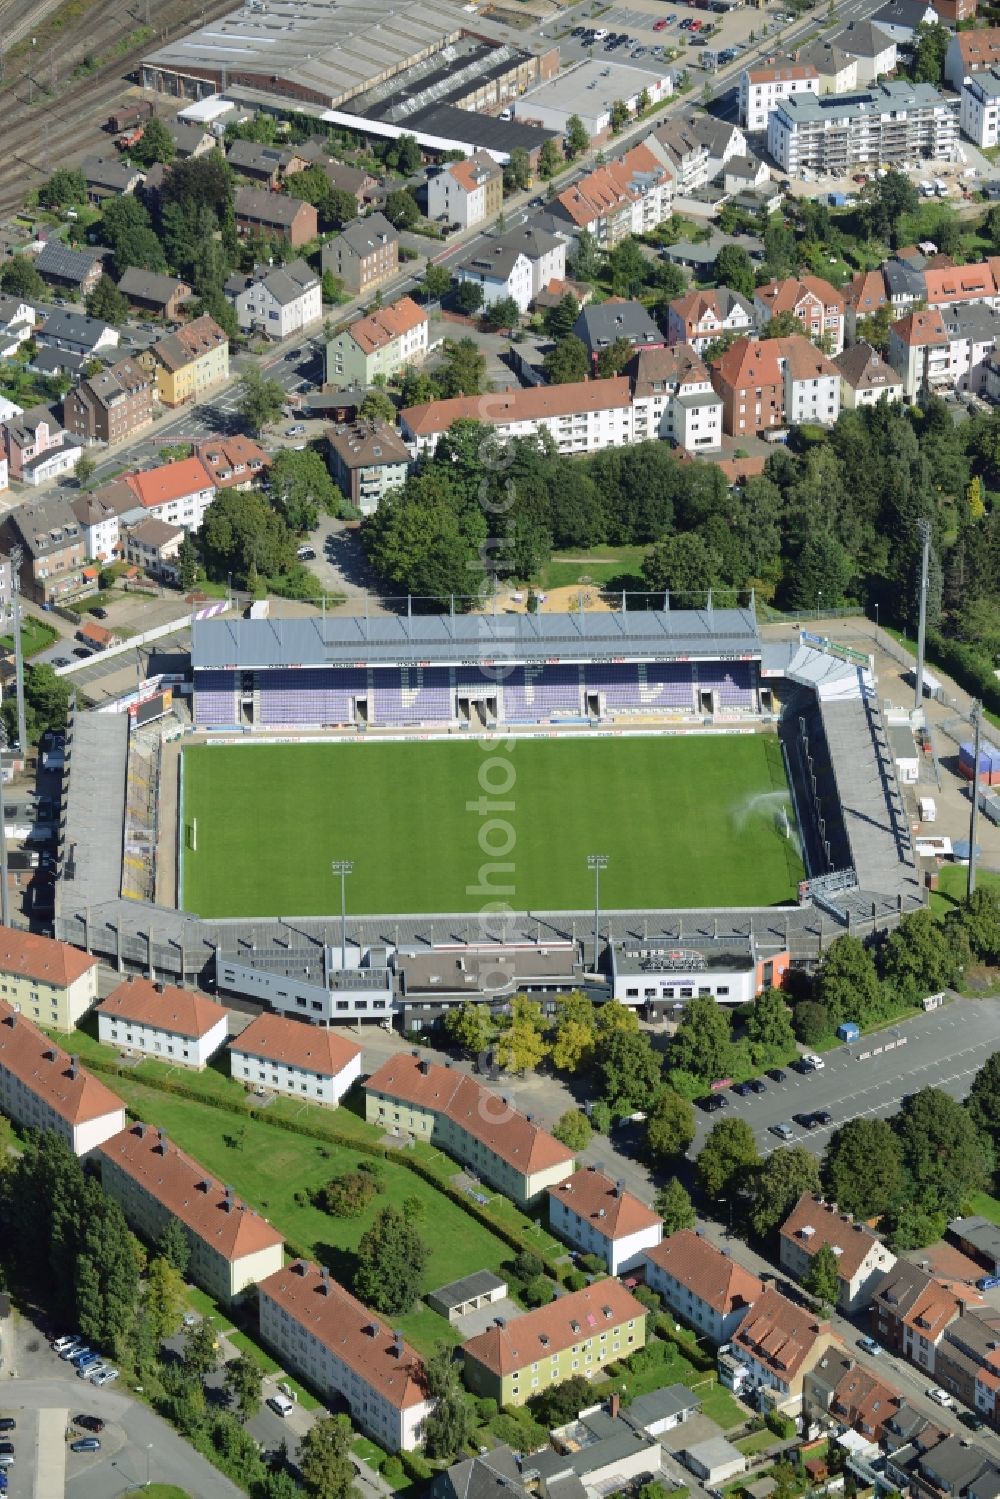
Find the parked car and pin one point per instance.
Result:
(98, 612)
(742, 1089)
(89, 1423)
(87, 1370)
(82, 652)
(60, 661)
(106, 1376)
(660, 25)
(973, 1420)
(86, 1444)
(296, 431)
(822, 1117)
(869, 1345)
(306, 554)
(7, 1423)
(714, 1102)
(757, 1085)
(783, 1131)
(85, 1361)
(804, 1121)
(776, 1074)
(73, 1349)
(281, 1405)
(59, 1345)
(940, 1397)
(812, 1063)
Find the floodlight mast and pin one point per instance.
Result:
(343, 867)
(597, 862)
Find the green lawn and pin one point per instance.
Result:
(952, 885)
(685, 821)
(269, 1167)
(597, 566)
(720, 1406)
(986, 1206)
(758, 1441)
(35, 636)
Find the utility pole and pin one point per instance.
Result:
(343, 867)
(976, 715)
(16, 555)
(597, 862)
(924, 527)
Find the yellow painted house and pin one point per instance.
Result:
(51, 982)
(188, 362)
(576, 1334)
(411, 1095)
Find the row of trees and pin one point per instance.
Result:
(833, 516)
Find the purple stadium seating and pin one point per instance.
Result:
(417, 694)
(658, 685)
(734, 681)
(309, 697)
(215, 700)
(535, 692)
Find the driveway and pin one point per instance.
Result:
(341, 565)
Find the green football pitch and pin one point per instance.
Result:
(684, 821)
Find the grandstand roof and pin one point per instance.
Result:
(476, 639)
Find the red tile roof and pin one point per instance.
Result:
(795, 291)
(866, 292)
(171, 481)
(962, 283)
(624, 180)
(314, 1048)
(351, 1332)
(779, 1334)
(782, 73)
(386, 325)
(180, 1011)
(478, 1110)
(812, 1223)
(715, 1278)
(475, 171)
(920, 328)
(498, 408)
(30, 956)
(979, 48)
(232, 460)
(50, 1073)
(612, 1213)
(568, 1320)
(187, 1191)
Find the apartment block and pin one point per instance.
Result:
(380, 344)
(777, 1343)
(979, 109)
(189, 362)
(813, 302)
(862, 1257)
(517, 264)
(578, 1334)
(53, 545)
(580, 417)
(920, 352)
(976, 50)
(843, 1392)
(277, 300)
(629, 195)
(411, 1095)
(910, 1312)
(700, 317)
(363, 255)
(42, 1087)
(277, 1054)
(235, 462)
(768, 383)
(321, 1333)
(764, 87)
(276, 214)
(891, 123)
(111, 406)
(968, 1361)
(866, 378)
(702, 1285)
(367, 460)
(466, 192)
(49, 981)
(673, 399)
(178, 493)
(232, 1246)
(598, 1216)
(158, 1020)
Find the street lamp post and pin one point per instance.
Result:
(149, 1448)
(343, 867)
(597, 862)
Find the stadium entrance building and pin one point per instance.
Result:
(661, 974)
(476, 671)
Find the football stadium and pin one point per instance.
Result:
(353, 794)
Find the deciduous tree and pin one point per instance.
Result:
(576, 139)
(734, 268)
(155, 144)
(390, 1264)
(573, 1129)
(777, 1185)
(471, 1026)
(702, 1044)
(769, 1028)
(727, 1157)
(401, 209)
(448, 1427)
(863, 1167)
(244, 1379)
(943, 1155)
(107, 302)
(669, 1125)
(848, 983)
(628, 1071)
(260, 399)
(325, 1459)
(822, 1279)
(674, 1205)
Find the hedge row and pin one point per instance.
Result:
(968, 666)
(483, 1216)
(665, 1327)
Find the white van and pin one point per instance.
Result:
(281, 1405)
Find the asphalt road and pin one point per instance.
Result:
(944, 1049)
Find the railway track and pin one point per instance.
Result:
(48, 118)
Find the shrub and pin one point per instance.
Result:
(348, 1195)
(486, 1410)
(811, 1022)
(594, 1263)
(782, 1426)
(648, 1298)
(416, 1468)
(527, 1265)
(538, 1291)
(575, 1280)
(392, 1470)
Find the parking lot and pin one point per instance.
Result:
(944, 1049)
(43, 1395)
